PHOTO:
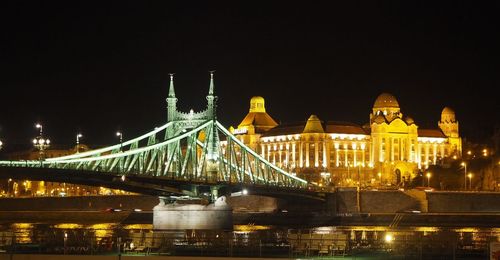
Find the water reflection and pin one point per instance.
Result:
(247, 240)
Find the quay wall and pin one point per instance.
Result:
(89, 203)
(463, 201)
(347, 201)
(250, 203)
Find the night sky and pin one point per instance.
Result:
(97, 67)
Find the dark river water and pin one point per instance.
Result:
(380, 242)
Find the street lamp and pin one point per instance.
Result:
(78, 136)
(41, 143)
(1, 145)
(8, 187)
(465, 174)
(380, 177)
(428, 179)
(359, 174)
(65, 241)
(470, 180)
(39, 126)
(120, 135)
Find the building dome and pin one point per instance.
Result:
(447, 115)
(385, 100)
(257, 118)
(257, 104)
(313, 125)
(447, 111)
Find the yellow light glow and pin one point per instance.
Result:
(68, 226)
(467, 229)
(22, 225)
(248, 228)
(138, 226)
(389, 238)
(427, 229)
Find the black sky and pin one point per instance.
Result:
(102, 66)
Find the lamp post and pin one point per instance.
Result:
(39, 126)
(428, 179)
(470, 180)
(380, 178)
(78, 136)
(8, 187)
(465, 174)
(41, 143)
(359, 174)
(120, 135)
(65, 241)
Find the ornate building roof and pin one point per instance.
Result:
(258, 117)
(430, 133)
(337, 127)
(313, 125)
(385, 100)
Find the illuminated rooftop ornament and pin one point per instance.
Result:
(257, 104)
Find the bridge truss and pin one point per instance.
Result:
(208, 153)
(191, 147)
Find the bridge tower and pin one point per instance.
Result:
(183, 121)
(191, 119)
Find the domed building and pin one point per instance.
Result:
(389, 150)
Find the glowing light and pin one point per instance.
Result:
(138, 226)
(239, 131)
(388, 238)
(248, 228)
(244, 192)
(68, 226)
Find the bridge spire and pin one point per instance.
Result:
(171, 91)
(211, 98)
(171, 101)
(211, 90)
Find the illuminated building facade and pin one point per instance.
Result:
(390, 149)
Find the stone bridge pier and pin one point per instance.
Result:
(192, 214)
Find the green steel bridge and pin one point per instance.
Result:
(190, 149)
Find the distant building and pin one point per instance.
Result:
(388, 150)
